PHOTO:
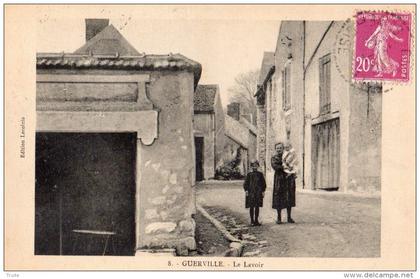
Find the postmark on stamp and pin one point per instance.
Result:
(382, 46)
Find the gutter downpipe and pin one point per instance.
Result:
(304, 107)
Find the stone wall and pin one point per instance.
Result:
(261, 121)
(252, 146)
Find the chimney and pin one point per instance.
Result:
(94, 26)
(234, 110)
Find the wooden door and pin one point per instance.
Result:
(326, 155)
(199, 158)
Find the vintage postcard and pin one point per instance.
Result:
(210, 137)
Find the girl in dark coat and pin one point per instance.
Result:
(284, 189)
(254, 187)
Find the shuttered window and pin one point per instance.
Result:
(325, 84)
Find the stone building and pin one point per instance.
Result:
(114, 148)
(265, 132)
(241, 127)
(240, 143)
(209, 125)
(308, 98)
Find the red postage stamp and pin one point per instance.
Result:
(382, 46)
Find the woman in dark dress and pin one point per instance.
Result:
(254, 187)
(284, 189)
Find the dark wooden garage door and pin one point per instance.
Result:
(85, 194)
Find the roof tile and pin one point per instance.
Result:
(142, 62)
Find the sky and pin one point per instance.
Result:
(225, 48)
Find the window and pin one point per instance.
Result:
(286, 87)
(325, 84)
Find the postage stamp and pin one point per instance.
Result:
(382, 46)
(209, 137)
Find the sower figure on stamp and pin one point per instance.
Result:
(284, 188)
(254, 187)
(378, 41)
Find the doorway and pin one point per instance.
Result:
(85, 193)
(199, 158)
(326, 155)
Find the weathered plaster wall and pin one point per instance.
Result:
(365, 135)
(166, 195)
(219, 117)
(204, 126)
(271, 130)
(313, 34)
(339, 92)
(359, 113)
(289, 50)
(338, 84)
(66, 91)
(364, 165)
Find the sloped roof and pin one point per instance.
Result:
(236, 131)
(266, 65)
(248, 125)
(110, 50)
(108, 41)
(141, 62)
(205, 98)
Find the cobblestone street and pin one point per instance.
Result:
(328, 224)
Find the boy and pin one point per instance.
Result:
(254, 187)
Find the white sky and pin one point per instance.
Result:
(224, 48)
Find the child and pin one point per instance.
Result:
(254, 187)
(289, 159)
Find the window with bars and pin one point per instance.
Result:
(325, 84)
(286, 87)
